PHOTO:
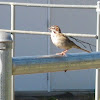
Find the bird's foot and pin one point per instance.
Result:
(62, 53)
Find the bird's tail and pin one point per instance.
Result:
(81, 49)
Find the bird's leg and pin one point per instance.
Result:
(62, 53)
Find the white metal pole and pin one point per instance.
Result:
(48, 33)
(13, 27)
(97, 81)
(48, 25)
(5, 66)
(13, 50)
(50, 5)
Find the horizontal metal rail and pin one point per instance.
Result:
(53, 63)
(50, 5)
(48, 33)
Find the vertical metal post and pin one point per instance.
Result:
(48, 25)
(5, 66)
(13, 27)
(13, 37)
(97, 81)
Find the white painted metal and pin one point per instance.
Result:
(50, 5)
(97, 81)
(48, 25)
(12, 17)
(53, 63)
(13, 27)
(5, 66)
(48, 33)
(13, 45)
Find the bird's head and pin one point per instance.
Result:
(55, 29)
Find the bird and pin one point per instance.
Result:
(62, 41)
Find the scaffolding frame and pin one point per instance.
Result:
(13, 31)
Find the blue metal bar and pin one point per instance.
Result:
(53, 63)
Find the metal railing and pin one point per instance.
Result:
(13, 4)
(49, 5)
(93, 58)
(54, 63)
(48, 33)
